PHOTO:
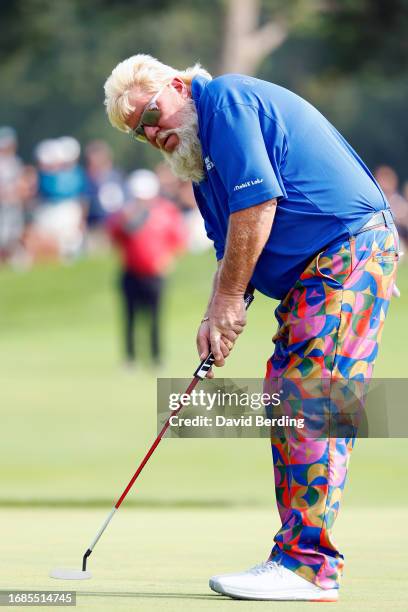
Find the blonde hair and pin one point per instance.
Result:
(149, 75)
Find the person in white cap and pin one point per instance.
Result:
(149, 233)
(61, 192)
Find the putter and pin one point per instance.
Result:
(199, 374)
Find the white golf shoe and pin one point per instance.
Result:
(270, 580)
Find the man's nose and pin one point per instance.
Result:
(151, 133)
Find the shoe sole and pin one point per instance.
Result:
(215, 587)
(330, 596)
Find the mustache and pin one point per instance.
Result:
(163, 135)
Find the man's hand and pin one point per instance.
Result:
(227, 318)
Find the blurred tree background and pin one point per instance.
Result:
(349, 58)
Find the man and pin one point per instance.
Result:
(149, 232)
(292, 209)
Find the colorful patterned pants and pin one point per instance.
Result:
(330, 326)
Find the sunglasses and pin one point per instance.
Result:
(150, 117)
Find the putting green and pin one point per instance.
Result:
(161, 559)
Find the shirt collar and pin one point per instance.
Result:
(198, 84)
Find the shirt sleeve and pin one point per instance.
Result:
(247, 148)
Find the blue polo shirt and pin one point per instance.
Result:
(261, 141)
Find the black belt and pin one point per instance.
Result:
(382, 217)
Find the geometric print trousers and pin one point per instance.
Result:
(329, 328)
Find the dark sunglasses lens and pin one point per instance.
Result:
(151, 117)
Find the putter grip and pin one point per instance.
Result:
(205, 365)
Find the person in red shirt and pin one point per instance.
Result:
(149, 232)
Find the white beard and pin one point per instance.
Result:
(186, 161)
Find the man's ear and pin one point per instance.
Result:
(180, 86)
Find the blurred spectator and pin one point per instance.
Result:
(388, 180)
(11, 210)
(149, 232)
(104, 190)
(59, 217)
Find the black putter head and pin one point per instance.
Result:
(85, 559)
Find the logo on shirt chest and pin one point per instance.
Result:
(208, 163)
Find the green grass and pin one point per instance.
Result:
(74, 426)
(161, 559)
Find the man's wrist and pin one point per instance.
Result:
(230, 292)
(230, 287)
